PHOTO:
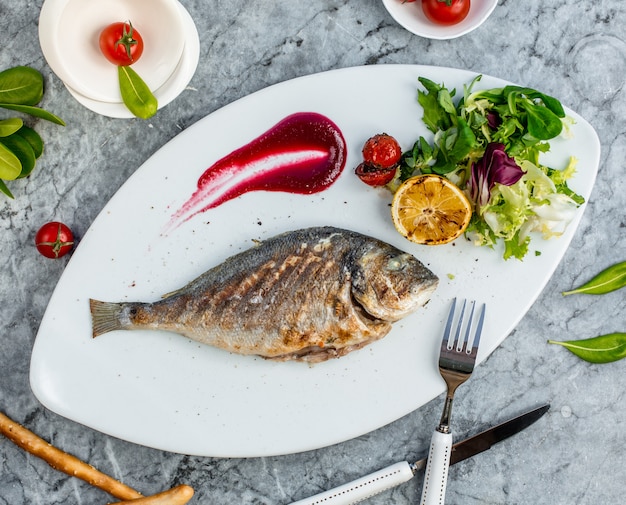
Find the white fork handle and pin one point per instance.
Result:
(363, 488)
(436, 476)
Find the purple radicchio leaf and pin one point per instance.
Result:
(496, 166)
(493, 119)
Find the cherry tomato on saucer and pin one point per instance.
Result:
(54, 240)
(446, 12)
(375, 176)
(382, 151)
(121, 44)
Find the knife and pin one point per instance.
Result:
(394, 475)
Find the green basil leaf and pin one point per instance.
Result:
(602, 349)
(10, 164)
(21, 85)
(34, 111)
(10, 126)
(543, 124)
(610, 279)
(24, 152)
(136, 94)
(33, 138)
(5, 189)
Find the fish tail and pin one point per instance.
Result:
(105, 316)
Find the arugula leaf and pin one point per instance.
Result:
(437, 104)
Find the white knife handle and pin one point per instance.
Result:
(363, 488)
(436, 476)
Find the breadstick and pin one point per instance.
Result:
(178, 495)
(63, 461)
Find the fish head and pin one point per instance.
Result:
(389, 284)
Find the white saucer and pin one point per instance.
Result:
(411, 17)
(170, 89)
(69, 32)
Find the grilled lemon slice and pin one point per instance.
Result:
(430, 209)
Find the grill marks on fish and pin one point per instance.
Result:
(306, 295)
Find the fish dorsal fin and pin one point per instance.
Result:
(171, 293)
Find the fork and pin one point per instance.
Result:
(456, 363)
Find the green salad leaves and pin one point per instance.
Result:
(21, 89)
(603, 348)
(608, 280)
(489, 143)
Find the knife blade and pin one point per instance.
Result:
(398, 473)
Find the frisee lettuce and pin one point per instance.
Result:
(513, 125)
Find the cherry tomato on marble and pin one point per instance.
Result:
(446, 12)
(121, 44)
(382, 151)
(54, 240)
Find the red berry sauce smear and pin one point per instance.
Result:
(303, 154)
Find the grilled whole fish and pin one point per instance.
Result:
(307, 295)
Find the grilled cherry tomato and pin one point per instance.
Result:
(375, 176)
(54, 240)
(382, 151)
(446, 12)
(121, 44)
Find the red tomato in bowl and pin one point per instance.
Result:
(121, 44)
(54, 240)
(446, 12)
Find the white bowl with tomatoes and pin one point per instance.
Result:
(69, 34)
(440, 19)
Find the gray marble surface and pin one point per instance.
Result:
(572, 49)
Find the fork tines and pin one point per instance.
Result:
(461, 343)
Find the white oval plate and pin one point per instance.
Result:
(173, 87)
(165, 391)
(69, 32)
(411, 17)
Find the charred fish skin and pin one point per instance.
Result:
(308, 295)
